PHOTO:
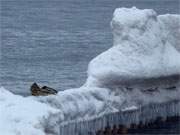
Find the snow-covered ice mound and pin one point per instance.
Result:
(135, 80)
(145, 47)
(23, 116)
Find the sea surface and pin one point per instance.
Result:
(52, 41)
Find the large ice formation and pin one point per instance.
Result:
(135, 80)
(145, 47)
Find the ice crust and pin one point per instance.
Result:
(138, 79)
(23, 116)
(87, 109)
(145, 46)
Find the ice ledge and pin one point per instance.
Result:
(146, 45)
(86, 102)
(84, 110)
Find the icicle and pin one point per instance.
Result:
(144, 114)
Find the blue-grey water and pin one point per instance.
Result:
(52, 41)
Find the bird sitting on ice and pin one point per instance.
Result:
(44, 91)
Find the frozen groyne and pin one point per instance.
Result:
(137, 80)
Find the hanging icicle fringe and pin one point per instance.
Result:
(145, 114)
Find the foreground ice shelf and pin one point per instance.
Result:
(138, 79)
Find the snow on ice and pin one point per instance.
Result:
(142, 49)
(22, 116)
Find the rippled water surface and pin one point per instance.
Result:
(52, 41)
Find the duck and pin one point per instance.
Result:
(36, 90)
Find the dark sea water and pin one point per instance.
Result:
(52, 41)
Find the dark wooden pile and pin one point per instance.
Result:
(141, 128)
